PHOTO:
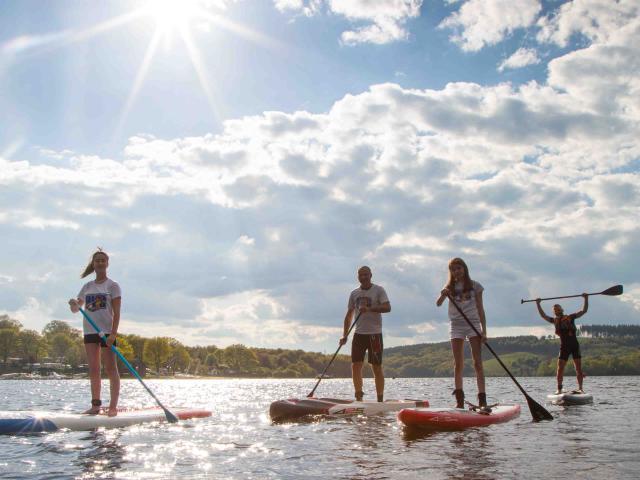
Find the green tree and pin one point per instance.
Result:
(179, 359)
(137, 345)
(8, 338)
(157, 351)
(59, 326)
(125, 348)
(61, 346)
(31, 345)
(7, 322)
(240, 358)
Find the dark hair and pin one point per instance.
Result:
(89, 268)
(466, 281)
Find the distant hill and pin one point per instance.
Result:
(614, 351)
(606, 350)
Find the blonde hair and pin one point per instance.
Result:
(466, 281)
(89, 268)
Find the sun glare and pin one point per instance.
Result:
(171, 15)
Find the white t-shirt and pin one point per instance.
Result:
(97, 303)
(369, 322)
(466, 301)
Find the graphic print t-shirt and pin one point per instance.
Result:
(97, 303)
(466, 301)
(369, 322)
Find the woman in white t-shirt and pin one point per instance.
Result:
(102, 299)
(467, 294)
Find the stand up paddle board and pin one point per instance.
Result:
(456, 418)
(570, 398)
(296, 408)
(20, 422)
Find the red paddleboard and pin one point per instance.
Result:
(456, 418)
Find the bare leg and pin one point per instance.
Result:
(476, 352)
(111, 367)
(560, 371)
(356, 374)
(93, 360)
(579, 373)
(457, 347)
(379, 377)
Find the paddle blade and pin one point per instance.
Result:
(171, 418)
(615, 290)
(538, 412)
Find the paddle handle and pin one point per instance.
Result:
(170, 416)
(332, 358)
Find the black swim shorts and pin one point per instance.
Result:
(95, 338)
(367, 342)
(569, 346)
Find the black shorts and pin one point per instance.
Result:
(569, 346)
(95, 338)
(362, 343)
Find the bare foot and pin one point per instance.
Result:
(113, 411)
(92, 411)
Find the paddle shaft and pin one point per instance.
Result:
(487, 345)
(333, 358)
(615, 290)
(170, 416)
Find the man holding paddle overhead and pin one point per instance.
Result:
(371, 301)
(566, 330)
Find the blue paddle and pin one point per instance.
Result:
(171, 418)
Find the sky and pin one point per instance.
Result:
(240, 159)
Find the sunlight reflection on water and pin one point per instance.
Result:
(239, 441)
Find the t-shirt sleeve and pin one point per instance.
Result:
(351, 304)
(477, 287)
(382, 296)
(115, 291)
(82, 291)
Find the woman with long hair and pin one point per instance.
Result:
(467, 294)
(102, 299)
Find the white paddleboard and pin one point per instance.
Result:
(22, 422)
(570, 398)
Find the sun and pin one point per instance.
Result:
(170, 15)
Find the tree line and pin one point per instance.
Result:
(607, 350)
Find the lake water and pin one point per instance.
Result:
(598, 441)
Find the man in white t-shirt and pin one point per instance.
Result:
(371, 302)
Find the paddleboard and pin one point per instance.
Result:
(456, 418)
(21, 422)
(296, 408)
(570, 398)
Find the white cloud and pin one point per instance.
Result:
(31, 314)
(386, 18)
(480, 23)
(597, 20)
(520, 58)
(632, 295)
(253, 235)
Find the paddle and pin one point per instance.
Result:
(611, 291)
(171, 418)
(332, 358)
(538, 412)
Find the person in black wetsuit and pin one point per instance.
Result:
(566, 330)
